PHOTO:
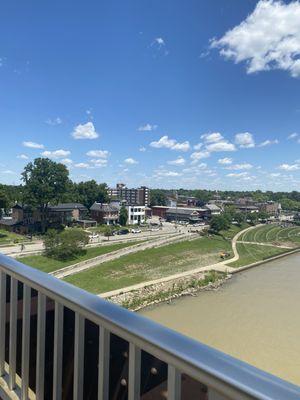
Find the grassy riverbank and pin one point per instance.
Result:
(47, 264)
(272, 234)
(151, 264)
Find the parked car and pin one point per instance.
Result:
(123, 232)
(154, 229)
(94, 236)
(136, 231)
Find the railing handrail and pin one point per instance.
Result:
(227, 375)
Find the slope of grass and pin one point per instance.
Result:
(47, 264)
(272, 233)
(151, 264)
(250, 253)
(10, 237)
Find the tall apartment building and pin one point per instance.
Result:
(139, 196)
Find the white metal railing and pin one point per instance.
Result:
(221, 376)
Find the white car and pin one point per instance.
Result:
(136, 231)
(154, 229)
(94, 236)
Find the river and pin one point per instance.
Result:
(255, 317)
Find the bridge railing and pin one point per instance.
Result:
(60, 342)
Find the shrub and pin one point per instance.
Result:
(65, 245)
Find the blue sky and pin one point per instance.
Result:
(194, 94)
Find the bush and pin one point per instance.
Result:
(65, 245)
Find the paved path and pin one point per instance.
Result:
(220, 267)
(93, 262)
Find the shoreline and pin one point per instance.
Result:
(190, 285)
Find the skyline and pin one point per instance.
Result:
(164, 95)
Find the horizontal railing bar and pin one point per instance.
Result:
(226, 374)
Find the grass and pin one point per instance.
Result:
(151, 264)
(10, 237)
(272, 234)
(250, 253)
(47, 264)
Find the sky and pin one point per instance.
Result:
(191, 94)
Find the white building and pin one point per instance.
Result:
(136, 214)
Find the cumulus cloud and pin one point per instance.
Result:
(98, 153)
(56, 153)
(66, 161)
(237, 174)
(130, 161)
(225, 161)
(268, 143)
(221, 146)
(82, 165)
(212, 137)
(33, 145)
(54, 121)
(178, 161)
(165, 142)
(289, 167)
(244, 140)
(240, 166)
(198, 146)
(269, 38)
(85, 131)
(167, 174)
(199, 155)
(23, 157)
(142, 149)
(99, 162)
(293, 136)
(147, 128)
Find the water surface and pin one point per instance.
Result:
(255, 316)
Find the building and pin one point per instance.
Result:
(136, 214)
(66, 213)
(213, 208)
(105, 213)
(270, 207)
(139, 196)
(187, 214)
(159, 211)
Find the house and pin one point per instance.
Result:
(213, 208)
(24, 219)
(105, 213)
(187, 214)
(159, 211)
(66, 213)
(136, 214)
(270, 207)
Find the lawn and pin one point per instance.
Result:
(151, 264)
(10, 237)
(47, 264)
(250, 253)
(272, 233)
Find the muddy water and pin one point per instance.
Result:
(255, 316)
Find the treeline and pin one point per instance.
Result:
(288, 200)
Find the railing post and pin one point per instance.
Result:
(2, 321)
(134, 386)
(13, 332)
(103, 366)
(78, 357)
(25, 340)
(40, 351)
(58, 351)
(174, 383)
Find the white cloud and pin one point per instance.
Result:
(225, 161)
(199, 155)
(98, 153)
(165, 142)
(198, 146)
(142, 149)
(212, 137)
(221, 146)
(147, 128)
(56, 154)
(293, 135)
(269, 38)
(268, 143)
(66, 161)
(130, 161)
(33, 145)
(8, 172)
(237, 175)
(240, 166)
(81, 165)
(167, 174)
(54, 121)
(178, 161)
(23, 157)
(289, 167)
(159, 41)
(99, 162)
(244, 140)
(85, 131)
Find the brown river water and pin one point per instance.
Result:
(255, 317)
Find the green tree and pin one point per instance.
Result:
(239, 218)
(108, 231)
(45, 182)
(123, 217)
(158, 197)
(90, 191)
(3, 201)
(219, 223)
(252, 217)
(65, 245)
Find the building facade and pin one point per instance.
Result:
(139, 196)
(136, 214)
(105, 213)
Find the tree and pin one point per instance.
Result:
(90, 191)
(123, 217)
(158, 197)
(3, 201)
(252, 217)
(108, 231)
(45, 182)
(219, 223)
(239, 218)
(65, 245)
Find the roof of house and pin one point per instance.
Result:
(182, 211)
(67, 207)
(212, 207)
(104, 207)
